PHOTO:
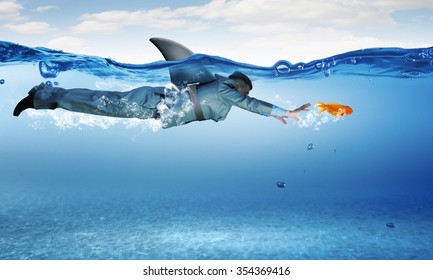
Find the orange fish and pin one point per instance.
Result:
(337, 110)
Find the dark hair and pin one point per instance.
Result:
(241, 76)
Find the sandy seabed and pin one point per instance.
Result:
(179, 226)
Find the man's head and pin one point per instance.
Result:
(243, 83)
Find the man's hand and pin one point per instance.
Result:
(293, 114)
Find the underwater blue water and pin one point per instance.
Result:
(74, 186)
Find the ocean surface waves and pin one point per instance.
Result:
(384, 62)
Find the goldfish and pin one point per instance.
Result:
(337, 110)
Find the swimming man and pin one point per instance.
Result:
(208, 101)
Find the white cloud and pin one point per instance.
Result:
(10, 10)
(317, 43)
(67, 43)
(96, 27)
(45, 8)
(269, 30)
(33, 27)
(274, 16)
(114, 21)
(254, 16)
(306, 30)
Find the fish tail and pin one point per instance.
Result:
(321, 106)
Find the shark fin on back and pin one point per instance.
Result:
(184, 73)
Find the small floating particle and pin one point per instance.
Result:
(281, 185)
(310, 146)
(390, 225)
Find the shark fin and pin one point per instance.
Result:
(186, 73)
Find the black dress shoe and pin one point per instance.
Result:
(27, 102)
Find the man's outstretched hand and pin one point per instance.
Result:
(293, 114)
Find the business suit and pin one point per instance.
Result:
(215, 98)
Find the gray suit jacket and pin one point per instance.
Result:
(216, 99)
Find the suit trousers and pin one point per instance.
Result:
(137, 103)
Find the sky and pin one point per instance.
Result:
(259, 32)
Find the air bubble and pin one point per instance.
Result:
(48, 83)
(310, 146)
(281, 185)
(319, 65)
(300, 67)
(425, 54)
(282, 67)
(56, 83)
(2, 81)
